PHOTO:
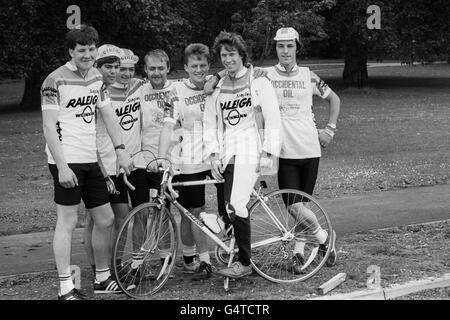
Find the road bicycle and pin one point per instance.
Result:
(147, 243)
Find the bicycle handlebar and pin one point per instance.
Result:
(168, 174)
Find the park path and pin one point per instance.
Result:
(32, 252)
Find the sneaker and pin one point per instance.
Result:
(73, 294)
(297, 263)
(107, 286)
(331, 261)
(204, 271)
(192, 267)
(237, 270)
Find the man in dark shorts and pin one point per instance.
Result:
(185, 106)
(109, 63)
(70, 96)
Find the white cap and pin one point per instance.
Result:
(109, 50)
(128, 57)
(287, 34)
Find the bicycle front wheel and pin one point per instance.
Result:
(290, 235)
(145, 250)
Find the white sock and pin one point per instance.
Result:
(189, 251)
(65, 284)
(299, 247)
(137, 258)
(102, 275)
(204, 257)
(321, 235)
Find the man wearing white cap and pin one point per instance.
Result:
(107, 62)
(117, 64)
(71, 96)
(300, 152)
(125, 97)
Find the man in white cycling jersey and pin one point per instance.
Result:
(153, 93)
(186, 106)
(295, 87)
(300, 150)
(70, 97)
(232, 127)
(117, 67)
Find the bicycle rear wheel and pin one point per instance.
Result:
(299, 217)
(145, 250)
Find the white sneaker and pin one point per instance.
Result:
(212, 221)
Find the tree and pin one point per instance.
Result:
(347, 24)
(411, 30)
(258, 26)
(28, 42)
(33, 34)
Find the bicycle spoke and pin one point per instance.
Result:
(147, 235)
(273, 249)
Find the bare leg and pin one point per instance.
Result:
(199, 236)
(101, 234)
(62, 239)
(120, 212)
(87, 238)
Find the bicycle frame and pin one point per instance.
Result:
(167, 192)
(167, 184)
(169, 195)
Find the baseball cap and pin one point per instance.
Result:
(109, 50)
(128, 57)
(287, 34)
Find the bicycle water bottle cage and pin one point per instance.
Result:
(263, 184)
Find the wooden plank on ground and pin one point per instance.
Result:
(417, 285)
(332, 283)
(392, 292)
(374, 294)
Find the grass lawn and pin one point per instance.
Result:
(394, 134)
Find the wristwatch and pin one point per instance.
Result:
(120, 146)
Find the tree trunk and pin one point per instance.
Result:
(266, 50)
(355, 69)
(32, 96)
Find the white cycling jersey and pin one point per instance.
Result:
(230, 124)
(295, 90)
(127, 108)
(75, 98)
(152, 106)
(187, 109)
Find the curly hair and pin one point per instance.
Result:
(231, 41)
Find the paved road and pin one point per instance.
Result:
(33, 252)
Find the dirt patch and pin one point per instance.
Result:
(403, 254)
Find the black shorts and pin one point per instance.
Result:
(299, 174)
(122, 197)
(143, 181)
(91, 186)
(192, 196)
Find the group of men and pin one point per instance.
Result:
(96, 114)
